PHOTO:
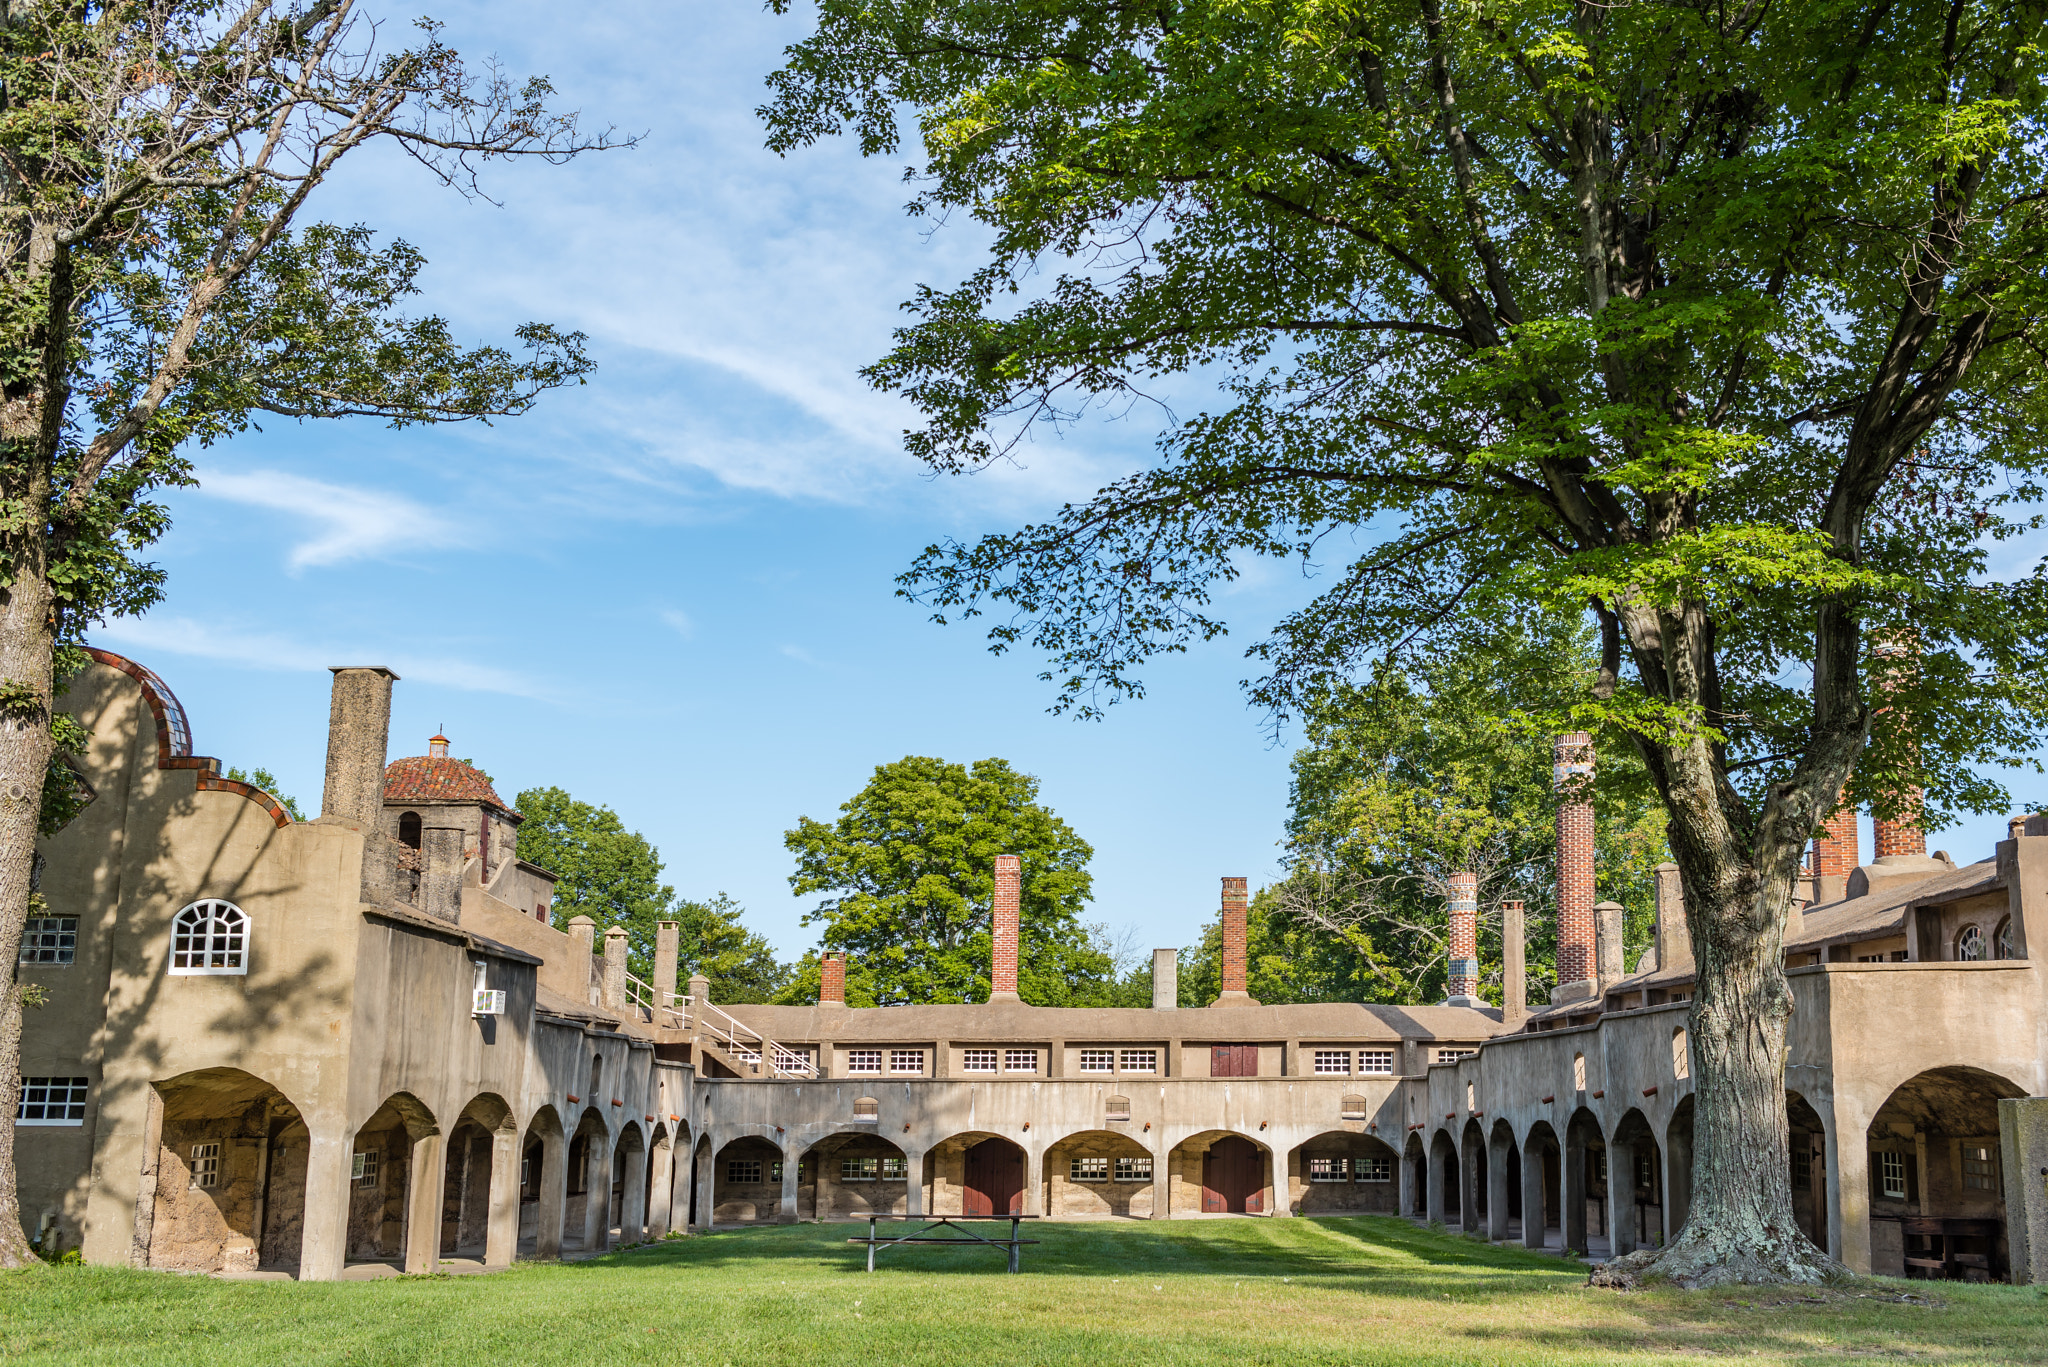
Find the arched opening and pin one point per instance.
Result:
(229, 1171)
(746, 1183)
(594, 1094)
(1503, 1182)
(1097, 1174)
(587, 1178)
(1937, 1200)
(1472, 1182)
(466, 1205)
(1415, 1174)
(409, 829)
(380, 1179)
(702, 1165)
(850, 1175)
(1635, 1185)
(1444, 1186)
(1542, 1173)
(1807, 1144)
(1970, 944)
(1223, 1174)
(1584, 1201)
(542, 1154)
(628, 1208)
(1678, 1166)
(1342, 1173)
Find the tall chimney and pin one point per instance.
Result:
(1514, 966)
(582, 934)
(615, 941)
(1674, 942)
(832, 979)
(1902, 835)
(1836, 853)
(1002, 969)
(1464, 965)
(668, 936)
(1235, 949)
(441, 872)
(358, 730)
(1608, 920)
(1165, 979)
(1573, 780)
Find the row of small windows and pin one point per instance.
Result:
(752, 1171)
(894, 1169)
(1368, 1168)
(1371, 1062)
(984, 1060)
(1125, 1169)
(870, 1060)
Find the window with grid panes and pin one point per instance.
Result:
(745, 1171)
(896, 1169)
(1020, 1060)
(1089, 1170)
(858, 1169)
(209, 937)
(1139, 1061)
(906, 1060)
(1892, 1173)
(1134, 1169)
(49, 940)
(363, 1168)
(1327, 1170)
(1980, 1167)
(863, 1060)
(1098, 1060)
(1378, 1168)
(1376, 1062)
(206, 1165)
(1333, 1061)
(977, 1060)
(1802, 1167)
(51, 1101)
(1453, 1055)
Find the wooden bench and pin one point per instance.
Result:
(924, 1234)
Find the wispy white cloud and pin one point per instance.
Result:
(678, 621)
(271, 651)
(348, 523)
(800, 655)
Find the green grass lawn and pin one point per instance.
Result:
(1238, 1292)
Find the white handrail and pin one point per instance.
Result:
(750, 1046)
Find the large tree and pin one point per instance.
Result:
(1717, 323)
(157, 287)
(908, 877)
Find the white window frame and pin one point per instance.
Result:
(220, 930)
(1988, 1177)
(980, 1060)
(1020, 1060)
(1382, 1169)
(1333, 1062)
(363, 1168)
(61, 949)
(1333, 1168)
(733, 1179)
(859, 1169)
(206, 1166)
(1453, 1055)
(896, 1168)
(1088, 1170)
(1098, 1060)
(864, 1061)
(1892, 1174)
(907, 1061)
(37, 1095)
(1137, 1061)
(1375, 1063)
(1133, 1168)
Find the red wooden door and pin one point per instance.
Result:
(1233, 1177)
(1234, 1060)
(995, 1179)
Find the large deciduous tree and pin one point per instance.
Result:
(908, 877)
(158, 287)
(1718, 323)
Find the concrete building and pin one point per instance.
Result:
(358, 1043)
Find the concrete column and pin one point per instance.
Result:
(1848, 1188)
(615, 968)
(1472, 1178)
(501, 1228)
(787, 1214)
(597, 1198)
(323, 1246)
(1162, 1183)
(1282, 1164)
(1034, 1181)
(1533, 1218)
(1572, 1190)
(1677, 1180)
(1165, 979)
(1433, 1185)
(2023, 1151)
(425, 1191)
(633, 1198)
(1609, 919)
(358, 732)
(554, 1194)
(1621, 1197)
(913, 1170)
(659, 1196)
(1514, 966)
(1497, 1189)
(706, 1165)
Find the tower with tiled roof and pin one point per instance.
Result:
(435, 791)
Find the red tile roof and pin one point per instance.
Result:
(425, 778)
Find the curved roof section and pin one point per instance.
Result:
(173, 731)
(437, 778)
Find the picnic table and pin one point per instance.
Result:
(924, 1234)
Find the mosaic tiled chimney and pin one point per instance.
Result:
(1573, 777)
(1236, 951)
(832, 979)
(1002, 976)
(1464, 955)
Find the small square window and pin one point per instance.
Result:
(896, 1169)
(1020, 1060)
(1134, 1169)
(206, 1165)
(1802, 1166)
(1090, 1170)
(49, 940)
(1333, 1061)
(977, 1060)
(51, 1101)
(906, 1060)
(1892, 1170)
(1378, 1168)
(863, 1060)
(364, 1168)
(1376, 1062)
(1328, 1170)
(1980, 1167)
(859, 1169)
(1098, 1060)
(1453, 1055)
(1140, 1061)
(743, 1171)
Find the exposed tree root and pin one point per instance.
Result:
(1699, 1262)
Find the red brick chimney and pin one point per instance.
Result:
(1573, 778)
(1464, 911)
(832, 979)
(1836, 853)
(1235, 949)
(1903, 834)
(1002, 972)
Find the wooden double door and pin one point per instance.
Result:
(994, 1183)
(1234, 1177)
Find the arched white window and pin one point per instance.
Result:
(2001, 944)
(1970, 944)
(209, 938)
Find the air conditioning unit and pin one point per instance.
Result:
(487, 1001)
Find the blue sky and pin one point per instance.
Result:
(670, 590)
